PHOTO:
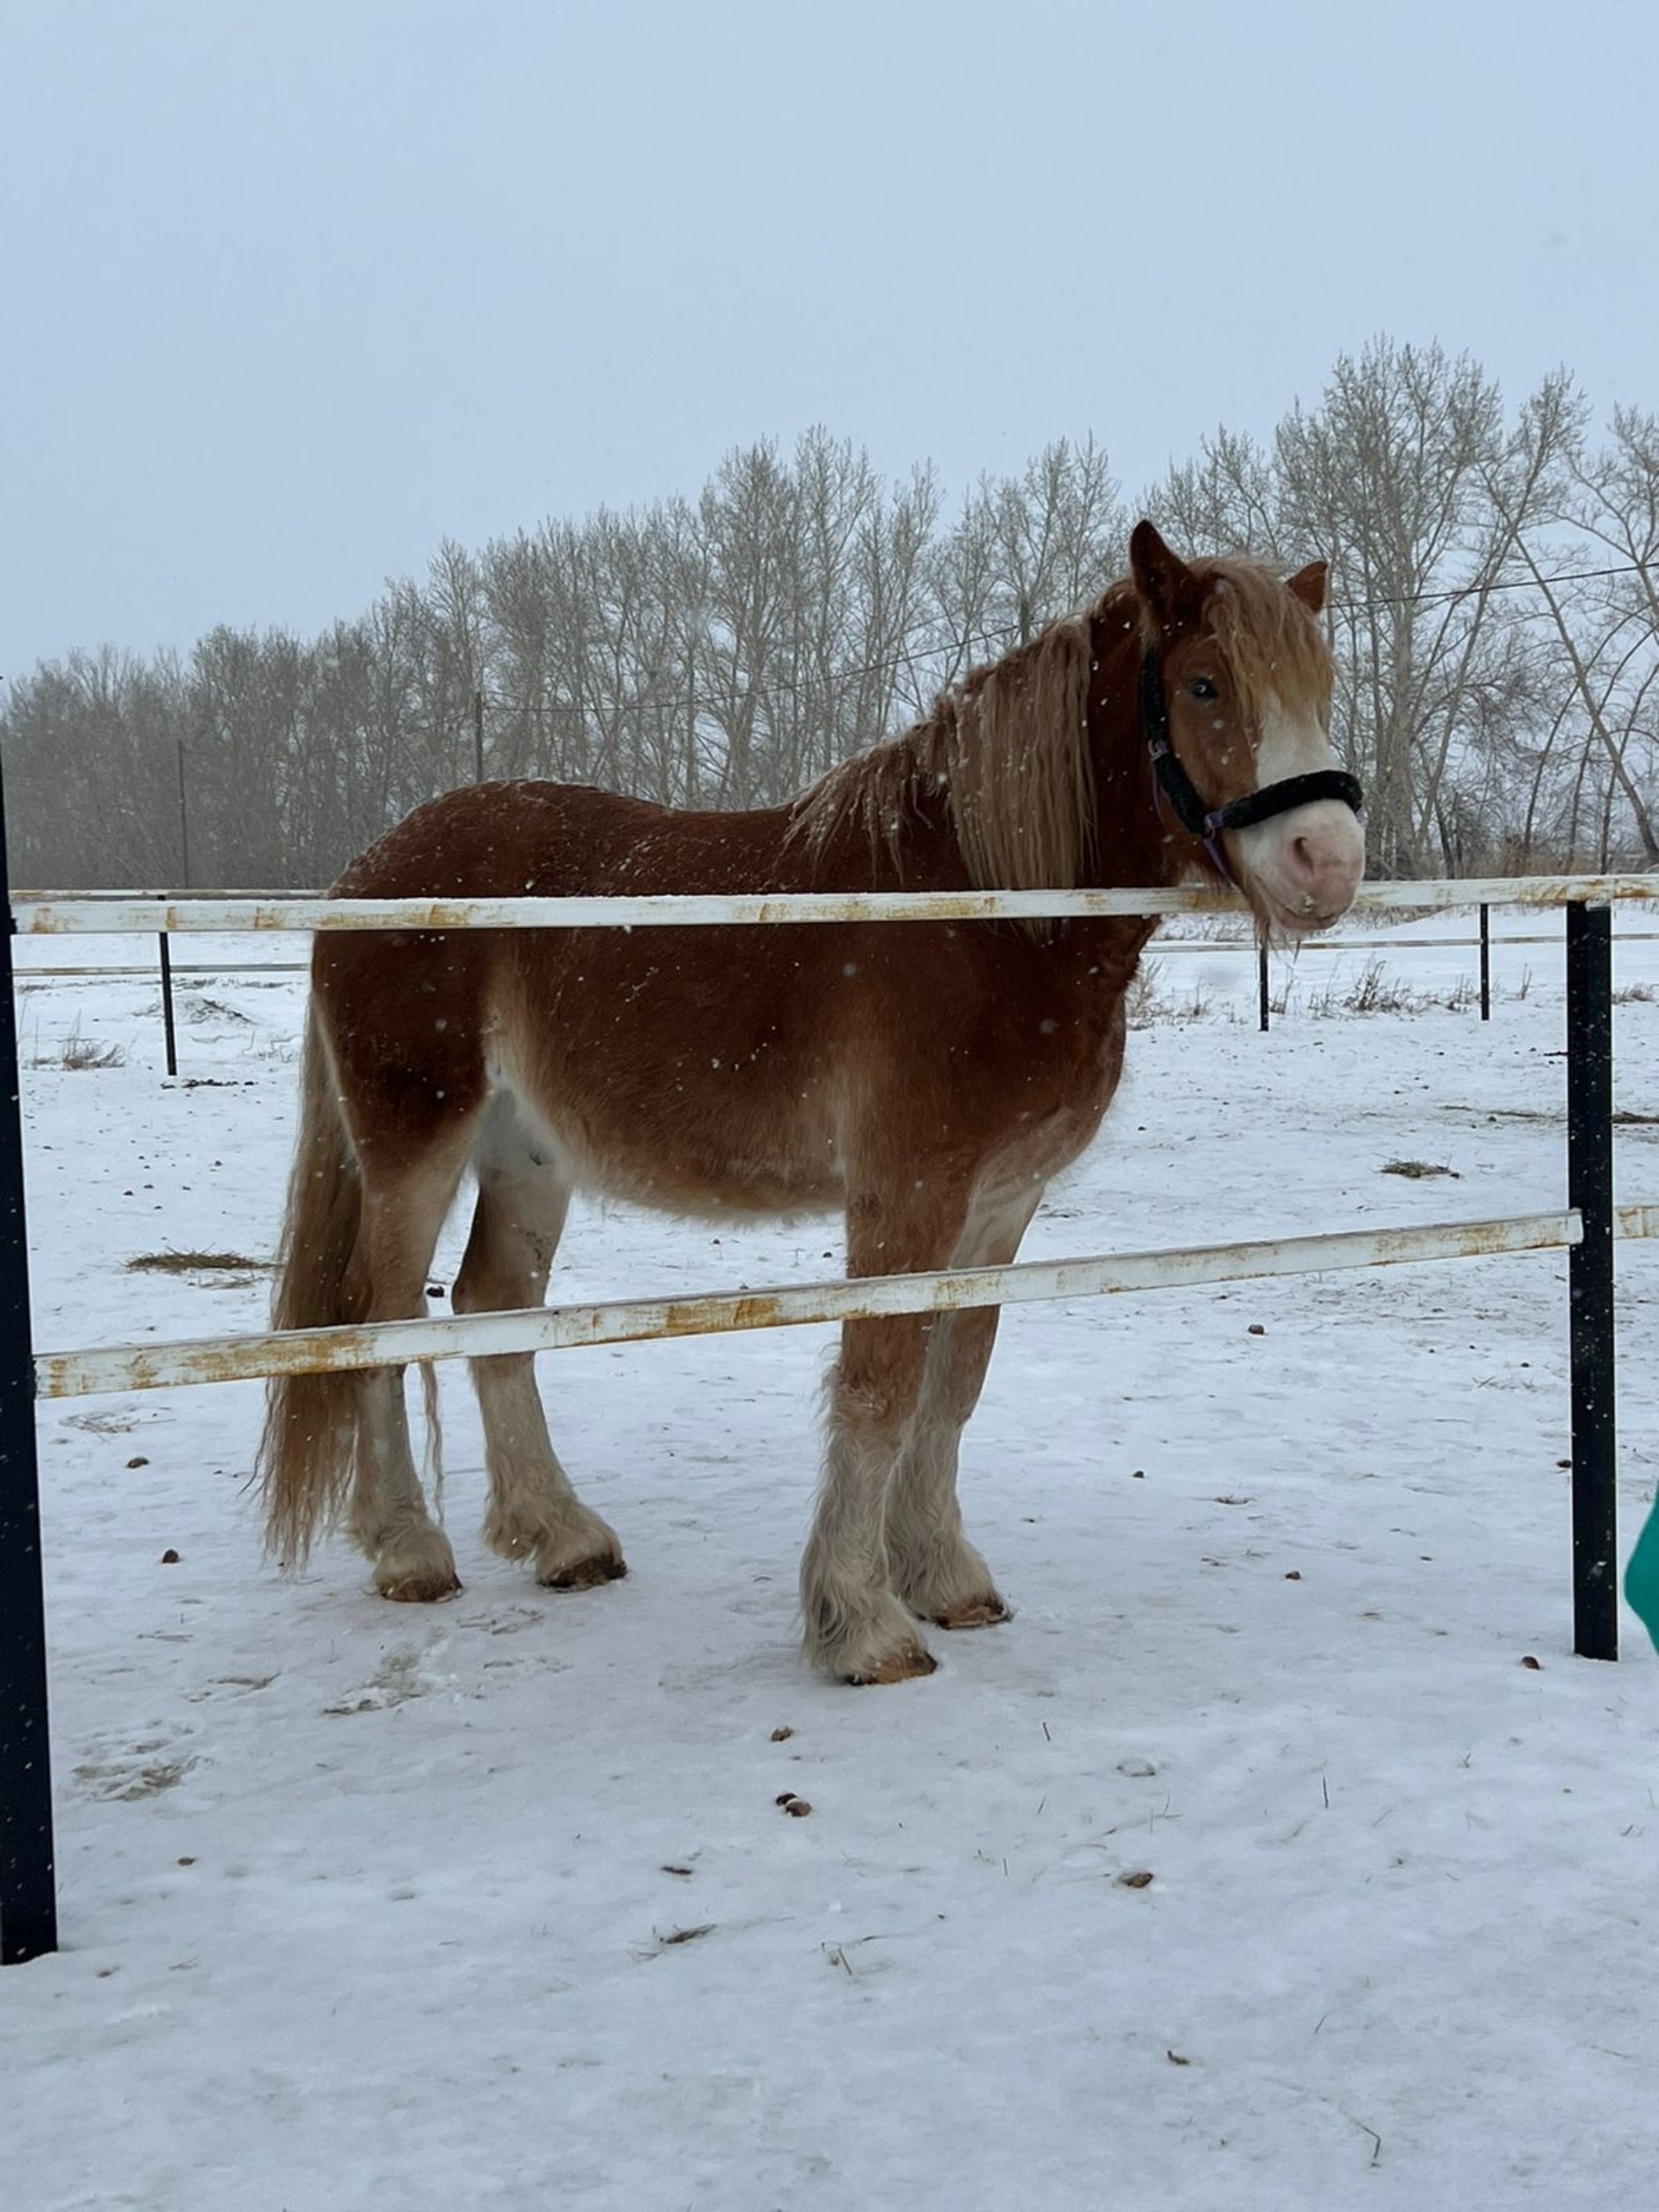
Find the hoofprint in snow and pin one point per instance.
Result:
(512, 1902)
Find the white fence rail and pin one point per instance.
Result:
(118, 915)
(482, 1335)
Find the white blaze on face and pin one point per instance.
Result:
(1309, 861)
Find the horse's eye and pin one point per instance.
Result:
(1201, 688)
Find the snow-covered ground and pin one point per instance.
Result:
(495, 1905)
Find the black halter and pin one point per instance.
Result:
(1209, 822)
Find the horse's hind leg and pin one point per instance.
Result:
(534, 1512)
(933, 1567)
(403, 1210)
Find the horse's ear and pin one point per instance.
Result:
(1308, 584)
(1167, 587)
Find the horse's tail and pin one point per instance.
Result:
(305, 1461)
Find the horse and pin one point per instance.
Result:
(928, 1079)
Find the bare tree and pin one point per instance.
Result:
(1390, 474)
(1228, 501)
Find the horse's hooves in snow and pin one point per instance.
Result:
(903, 1666)
(974, 1612)
(586, 1573)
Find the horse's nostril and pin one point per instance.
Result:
(1320, 865)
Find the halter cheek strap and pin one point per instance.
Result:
(1209, 822)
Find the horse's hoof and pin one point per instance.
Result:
(983, 1611)
(903, 1666)
(586, 1573)
(419, 1589)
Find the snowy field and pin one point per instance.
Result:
(1278, 1853)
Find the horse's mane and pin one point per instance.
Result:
(1008, 747)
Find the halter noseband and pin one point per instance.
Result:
(1209, 822)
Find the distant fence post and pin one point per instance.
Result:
(29, 1911)
(1262, 1002)
(168, 1029)
(1590, 1276)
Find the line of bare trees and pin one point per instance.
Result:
(1495, 588)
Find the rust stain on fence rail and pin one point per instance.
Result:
(705, 1316)
(1473, 1240)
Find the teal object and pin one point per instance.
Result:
(1642, 1576)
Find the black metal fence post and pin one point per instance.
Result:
(1263, 1004)
(1590, 1275)
(29, 1912)
(1486, 962)
(168, 1029)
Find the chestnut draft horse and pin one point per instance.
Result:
(928, 1079)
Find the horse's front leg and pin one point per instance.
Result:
(856, 1628)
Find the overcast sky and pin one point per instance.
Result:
(292, 291)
